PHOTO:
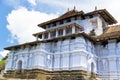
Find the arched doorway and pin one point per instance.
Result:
(92, 71)
(19, 67)
(92, 67)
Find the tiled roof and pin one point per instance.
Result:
(111, 32)
(103, 12)
(66, 15)
(71, 13)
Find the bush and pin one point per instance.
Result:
(2, 63)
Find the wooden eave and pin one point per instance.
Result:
(62, 27)
(108, 36)
(18, 46)
(105, 14)
(111, 32)
(64, 16)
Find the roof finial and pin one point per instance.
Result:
(95, 7)
(74, 7)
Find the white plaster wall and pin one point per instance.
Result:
(57, 62)
(8, 65)
(108, 60)
(92, 23)
(99, 27)
(70, 54)
(65, 62)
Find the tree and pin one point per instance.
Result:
(2, 63)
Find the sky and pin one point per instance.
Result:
(19, 18)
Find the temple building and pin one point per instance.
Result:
(74, 46)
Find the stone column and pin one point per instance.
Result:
(73, 29)
(37, 38)
(49, 35)
(64, 32)
(56, 33)
(42, 36)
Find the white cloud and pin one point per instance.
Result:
(4, 53)
(111, 5)
(23, 23)
(33, 2)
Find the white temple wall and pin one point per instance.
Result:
(98, 26)
(68, 54)
(38, 59)
(65, 61)
(57, 62)
(9, 62)
(112, 47)
(75, 61)
(92, 23)
(108, 60)
(80, 43)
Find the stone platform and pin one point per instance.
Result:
(50, 75)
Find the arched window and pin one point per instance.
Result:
(92, 67)
(19, 65)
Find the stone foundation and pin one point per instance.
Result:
(50, 75)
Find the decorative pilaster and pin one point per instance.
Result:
(112, 67)
(112, 47)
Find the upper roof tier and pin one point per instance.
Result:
(103, 13)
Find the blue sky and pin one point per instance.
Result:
(19, 18)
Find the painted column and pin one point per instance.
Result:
(64, 32)
(42, 36)
(37, 38)
(56, 33)
(49, 35)
(33, 60)
(73, 29)
(30, 60)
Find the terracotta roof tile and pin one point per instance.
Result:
(110, 33)
(103, 12)
(71, 13)
(66, 15)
